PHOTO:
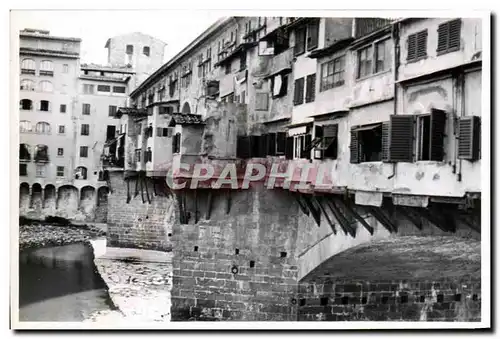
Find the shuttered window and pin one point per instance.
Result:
(354, 147)
(243, 147)
(438, 128)
(417, 45)
(329, 143)
(469, 139)
(385, 141)
(449, 36)
(298, 94)
(310, 87)
(289, 148)
(164, 131)
(401, 138)
(271, 144)
(312, 35)
(280, 142)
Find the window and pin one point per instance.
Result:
(28, 66)
(365, 61)
(41, 153)
(449, 36)
(23, 169)
(149, 155)
(300, 41)
(325, 141)
(469, 138)
(24, 152)
(26, 104)
(46, 67)
(279, 85)
(42, 128)
(60, 171)
(424, 128)
(366, 143)
(86, 109)
(103, 88)
(119, 89)
(88, 89)
(84, 151)
(24, 126)
(417, 46)
(243, 61)
(310, 87)
(112, 111)
(46, 86)
(60, 151)
(382, 56)
(40, 171)
(299, 142)
(81, 173)
(65, 68)
(312, 35)
(164, 131)
(129, 49)
(27, 85)
(298, 96)
(332, 73)
(228, 68)
(85, 129)
(61, 129)
(137, 155)
(44, 106)
(430, 135)
(176, 143)
(110, 132)
(145, 50)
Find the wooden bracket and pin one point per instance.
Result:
(302, 204)
(327, 217)
(381, 218)
(407, 213)
(209, 204)
(350, 209)
(315, 213)
(346, 225)
(433, 219)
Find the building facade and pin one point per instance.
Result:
(388, 108)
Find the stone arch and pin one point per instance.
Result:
(186, 108)
(67, 198)
(24, 196)
(101, 213)
(49, 198)
(87, 199)
(36, 197)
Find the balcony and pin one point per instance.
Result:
(281, 62)
(47, 73)
(27, 71)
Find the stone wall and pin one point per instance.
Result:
(413, 300)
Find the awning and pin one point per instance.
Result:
(297, 131)
(366, 127)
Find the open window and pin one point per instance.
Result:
(366, 143)
(81, 173)
(24, 152)
(41, 153)
(325, 142)
(430, 136)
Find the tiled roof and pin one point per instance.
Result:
(132, 111)
(186, 119)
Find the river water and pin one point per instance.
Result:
(60, 284)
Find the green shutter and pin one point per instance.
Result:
(438, 129)
(401, 138)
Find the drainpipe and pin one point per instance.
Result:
(395, 37)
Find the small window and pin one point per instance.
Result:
(112, 111)
(298, 97)
(449, 36)
(60, 151)
(145, 50)
(42, 128)
(61, 129)
(85, 129)
(84, 151)
(88, 89)
(130, 49)
(44, 106)
(119, 89)
(46, 86)
(424, 130)
(382, 56)
(86, 109)
(62, 108)
(60, 171)
(103, 88)
(65, 68)
(365, 56)
(417, 46)
(138, 155)
(300, 41)
(228, 68)
(366, 143)
(26, 104)
(23, 169)
(40, 171)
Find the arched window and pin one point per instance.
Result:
(25, 126)
(26, 104)
(41, 153)
(46, 86)
(46, 67)
(42, 127)
(27, 85)
(186, 108)
(145, 50)
(24, 152)
(81, 173)
(28, 66)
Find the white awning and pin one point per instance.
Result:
(297, 130)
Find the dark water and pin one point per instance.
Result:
(60, 284)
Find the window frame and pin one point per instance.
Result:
(60, 154)
(42, 87)
(416, 35)
(84, 152)
(84, 105)
(61, 129)
(148, 54)
(324, 85)
(60, 169)
(85, 128)
(449, 49)
(373, 58)
(40, 170)
(61, 110)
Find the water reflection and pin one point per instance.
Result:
(60, 284)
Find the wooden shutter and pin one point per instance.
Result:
(438, 128)
(298, 95)
(280, 142)
(469, 138)
(442, 37)
(454, 34)
(412, 47)
(330, 131)
(243, 147)
(401, 138)
(312, 35)
(254, 146)
(310, 87)
(306, 147)
(385, 141)
(271, 144)
(421, 49)
(263, 146)
(354, 147)
(174, 144)
(289, 148)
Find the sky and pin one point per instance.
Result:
(177, 28)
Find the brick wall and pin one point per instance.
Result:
(240, 265)
(138, 224)
(416, 300)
